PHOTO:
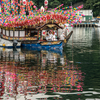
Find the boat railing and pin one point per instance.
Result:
(14, 37)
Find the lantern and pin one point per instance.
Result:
(46, 2)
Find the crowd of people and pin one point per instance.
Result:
(52, 36)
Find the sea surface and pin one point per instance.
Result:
(69, 74)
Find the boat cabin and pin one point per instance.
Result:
(29, 33)
(48, 26)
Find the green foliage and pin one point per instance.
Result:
(94, 5)
(54, 4)
(88, 4)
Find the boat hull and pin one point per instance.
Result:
(45, 45)
(8, 44)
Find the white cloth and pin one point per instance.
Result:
(47, 38)
(62, 37)
(50, 36)
(54, 38)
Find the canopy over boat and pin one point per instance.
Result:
(50, 25)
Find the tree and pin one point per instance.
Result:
(54, 4)
(88, 4)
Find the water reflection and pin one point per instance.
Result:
(97, 33)
(34, 74)
(82, 37)
(86, 54)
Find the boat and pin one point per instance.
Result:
(41, 43)
(7, 40)
(33, 38)
(59, 51)
(97, 24)
(8, 44)
(22, 30)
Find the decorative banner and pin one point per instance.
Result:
(10, 18)
(0, 5)
(43, 33)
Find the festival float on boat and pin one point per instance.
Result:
(28, 30)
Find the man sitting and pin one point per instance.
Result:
(51, 37)
(48, 37)
(54, 37)
(62, 36)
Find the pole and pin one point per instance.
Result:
(38, 4)
(71, 5)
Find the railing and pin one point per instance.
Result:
(86, 24)
(12, 36)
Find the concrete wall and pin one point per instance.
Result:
(88, 14)
(85, 12)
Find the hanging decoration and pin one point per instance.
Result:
(12, 17)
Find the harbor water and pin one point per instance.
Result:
(69, 74)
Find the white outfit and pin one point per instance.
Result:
(62, 36)
(50, 36)
(54, 38)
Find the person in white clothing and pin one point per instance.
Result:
(50, 35)
(62, 36)
(54, 37)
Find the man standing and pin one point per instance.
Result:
(62, 36)
(50, 35)
(54, 37)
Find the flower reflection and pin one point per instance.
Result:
(38, 73)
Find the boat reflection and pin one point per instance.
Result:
(60, 51)
(34, 74)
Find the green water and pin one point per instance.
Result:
(69, 74)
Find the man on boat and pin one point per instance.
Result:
(54, 37)
(62, 36)
(51, 37)
(48, 37)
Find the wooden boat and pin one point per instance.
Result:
(97, 24)
(8, 38)
(33, 38)
(42, 43)
(17, 28)
(8, 44)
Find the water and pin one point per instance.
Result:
(70, 74)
